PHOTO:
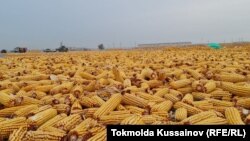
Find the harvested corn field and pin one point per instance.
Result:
(73, 96)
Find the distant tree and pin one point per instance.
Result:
(101, 47)
(3, 51)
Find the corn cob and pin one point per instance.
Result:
(199, 117)
(200, 96)
(69, 122)
(40, 118)
(163, 106)
(62, 108)
(190, 109)
(148, 74)
(163, 114)
(28, 101)
(180, 83)
(117, 75)
(131, 99)
(221, 103)
(235, 89)
(98, 101)
(188, 98)
(230, 77)
(53, 121)
(149, 97)
(37, 94)
(18, 134)
(76, 106)
(70, 99)
(113, 119)
(82, 128)
(119, 112)
(8, 126)
(212, 121)
(86, 75)
(136, 110)
(162, 92)
(63, 88)
(180, 114)
(23, 112)
(209, 86)
(43, 135)
(7, 100)
(44, 88)
(244, 103)
(87, 102)
(108, 106)
(89, 112)
(99, 137)
(52, 129)
(133, 119)
(77, 91)
(7, 112)
(127, 83)
(40, 109)
(171, 97)
(233, 116)
(194, 73)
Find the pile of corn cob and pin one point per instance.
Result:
(73, 96)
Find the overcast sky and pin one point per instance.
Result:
(86, 23)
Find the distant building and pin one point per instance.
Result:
(165, 44)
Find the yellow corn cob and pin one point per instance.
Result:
(120, 107)
(96, 130)
(89, 112)
(162, 92)
(40, 118)
(40, 109)
(194, 73)
(200, 96)
(99, 137)
(98, 101)
(199, 117)
(113, 119)
(63, 88)
(108, 106)
(163, 114)
(76, 106)
(244, 103)
(7, 100)
(180, 83)
(202, 103)
(190, 109)
(149, 97)
(197, 86)
(28, 101)
(119, 112)
(43, 135)
(8, 91)
(230, 77)
(82, 128)
(209, 86)
(52, 129)
(62, 108)
(87, 102)
(163, 106)
(133, 120)
(171, 97)
(90, 87)
(69, 122)
(37, 94)
(23, 112)
(149, 119)
(117, 75)
(86, 75)
(52, 121)
(180, 114)
(154, 83)
(212, 121)
(188, 98)
(175, 93)
(148, 74)
(131, 99)
(235, 89)
(127, 83)
(221, 103)
(70, 99)
(8, 126)
(233, 116)
(18, 134)
(9, 111)
(77, 91)
(185, 90)
(220, 93)
(136, 110)
(44, 88)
